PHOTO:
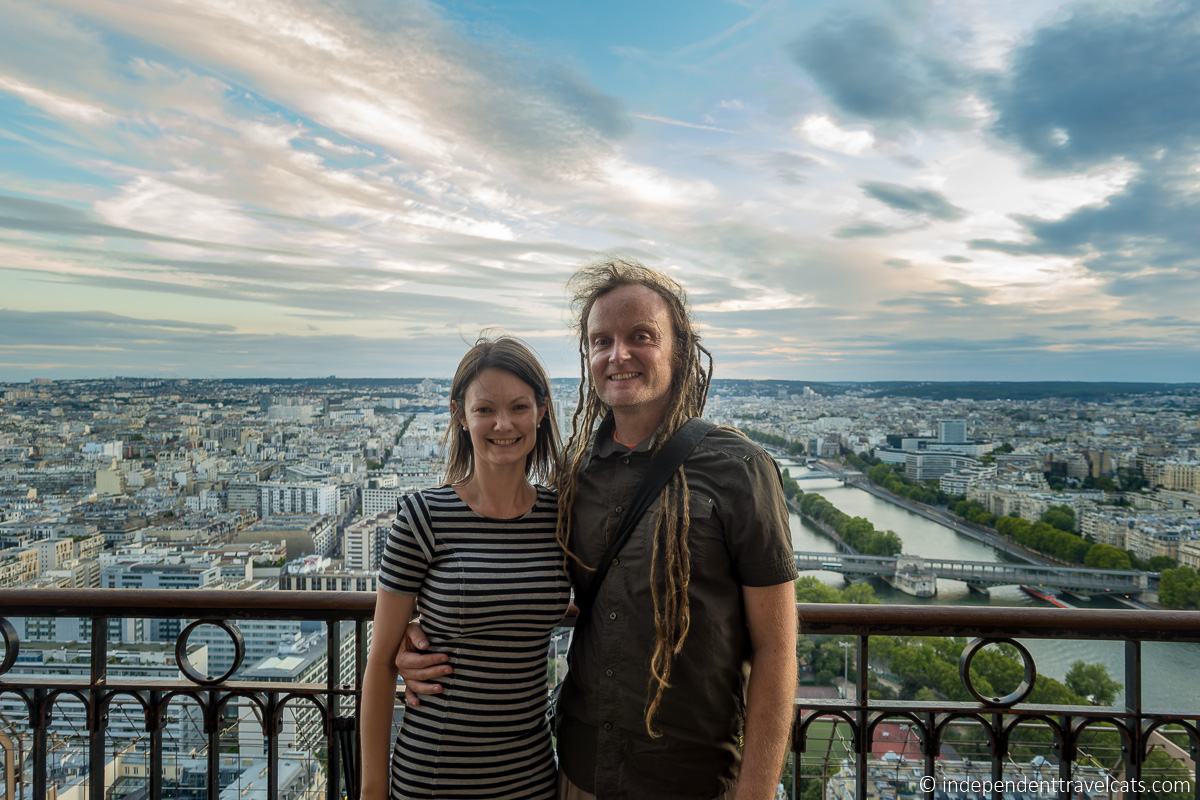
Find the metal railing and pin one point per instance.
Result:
(337, 702)
(998, 717)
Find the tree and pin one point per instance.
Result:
(1093, 682)
(1061, 517)
(811, 590)
(1179, 588)
(1105, 556)
(860, 593)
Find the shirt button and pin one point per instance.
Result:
(608, 673)
(608, 726)
(618, 509)
(612, 615)
(625, 460)
(616, 562)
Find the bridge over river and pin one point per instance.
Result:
(913, 570)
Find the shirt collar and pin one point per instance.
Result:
(604, 445)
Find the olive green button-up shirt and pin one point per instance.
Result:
(739, 536)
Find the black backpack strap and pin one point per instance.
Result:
(658, 474)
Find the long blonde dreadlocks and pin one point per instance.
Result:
(670, 563)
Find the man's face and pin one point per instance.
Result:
(630, 348)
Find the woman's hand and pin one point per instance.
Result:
(420, 670)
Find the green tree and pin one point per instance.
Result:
(1061, 517)
(1105, 556)
(1093, 682)
(811, 590)
(860, 593)
(1179, 588)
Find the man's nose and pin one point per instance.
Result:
(619, 353)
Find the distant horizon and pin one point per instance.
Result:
(716, 379)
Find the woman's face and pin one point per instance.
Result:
(501, 415)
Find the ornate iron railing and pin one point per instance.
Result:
(999, 717)
(336, 701)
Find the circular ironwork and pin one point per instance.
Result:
(1016, 695)
(185, 666)
(12, 645)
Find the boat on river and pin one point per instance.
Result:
(1045, 595)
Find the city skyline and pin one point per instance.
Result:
(908, 190)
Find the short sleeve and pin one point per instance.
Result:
(756, 523)
(409, 548)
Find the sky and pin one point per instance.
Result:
(848, 190)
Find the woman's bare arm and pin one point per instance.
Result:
(392, 613)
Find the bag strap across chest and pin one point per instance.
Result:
(662, 466)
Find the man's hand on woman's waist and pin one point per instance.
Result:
(420, 670)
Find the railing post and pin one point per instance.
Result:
(155, 716)
(999, 751)
(1066, 756)
(931, 746)
(41, 741)
(1133, 708)
(864, 734)
(272, 723)
(212, 728)
(332, 675)
(97, 713)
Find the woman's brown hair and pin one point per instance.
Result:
(515, 357)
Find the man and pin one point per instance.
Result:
(657, 702)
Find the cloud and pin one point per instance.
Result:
(96, 344)
(34, 216)
(1113, 85)
(678, 123)
(1105, 82)
(862, 230)
(822, 131)
(878, 68)
(917, 202)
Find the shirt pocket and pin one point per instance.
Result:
(706, 537)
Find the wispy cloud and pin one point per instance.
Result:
(359, 188)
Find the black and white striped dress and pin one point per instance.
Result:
(490, 592)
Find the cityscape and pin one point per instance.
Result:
(263, 485)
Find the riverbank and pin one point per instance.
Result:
(948, 520)
(823, 527)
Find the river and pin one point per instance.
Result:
(1166, 667)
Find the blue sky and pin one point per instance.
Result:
(848, 190)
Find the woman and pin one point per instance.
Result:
(478, 556)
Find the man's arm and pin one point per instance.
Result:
(771, 692)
